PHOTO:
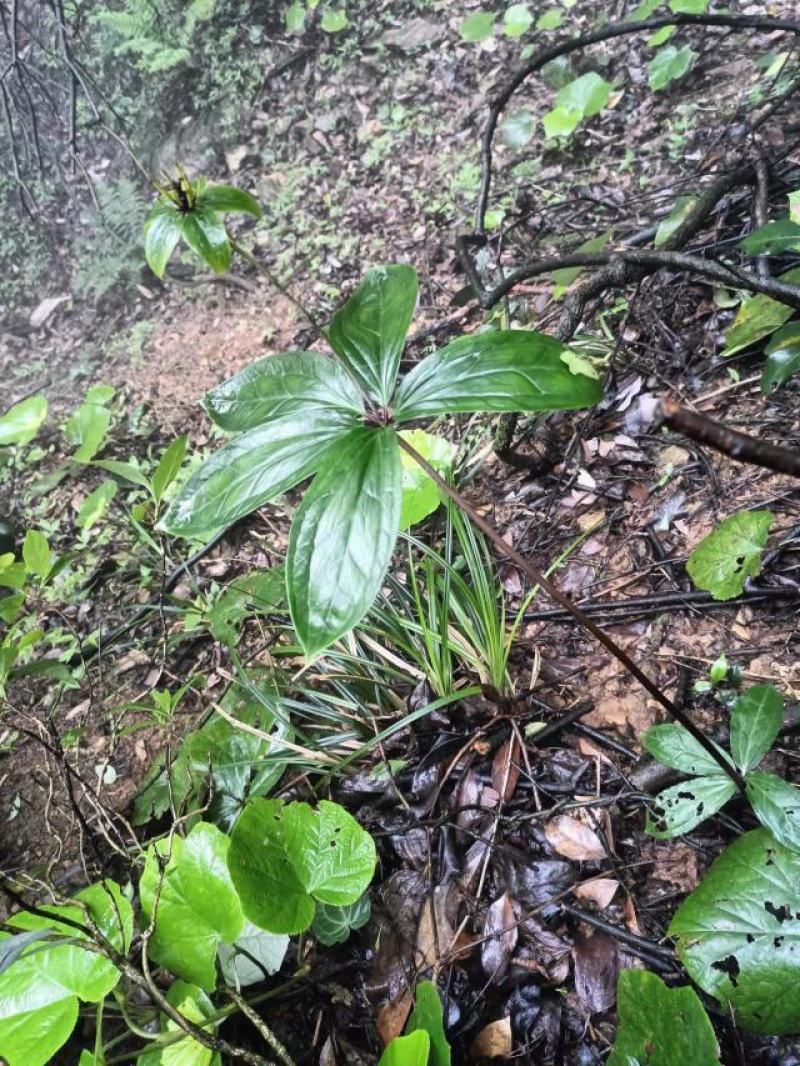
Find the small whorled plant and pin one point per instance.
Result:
(303, 413)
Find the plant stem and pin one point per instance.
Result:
(270, 277)
(564, 601)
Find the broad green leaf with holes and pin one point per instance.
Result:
(21, 423)
(659, 1025)
(675, 747)
(773, 238)
(777, 806)
(195, 903)
(681, 808)
(783, 358)
(420, 493)
(253, 469)
(411, 1050)
(477, 27)
(369, 332)
(428, 1016)
(756, 719)
(342, 537)
(724, 560)
(279, 385)
(668, 64)
(284, 858)
(506, 370)
(758, 317)
(739, 933)
(333, 925)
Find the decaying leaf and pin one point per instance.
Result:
(493, 1042)
(500, 937)
(600, 891)
(596, 961)
(573, 839)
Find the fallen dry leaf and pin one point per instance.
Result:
(505, 769)
(600, 891)
(573, 839)
(493, 1042)
(393, 1015)
(596, 961)
(500, 932)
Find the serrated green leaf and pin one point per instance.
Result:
(342, 537)
(739, 933)
(205, 233)
(777, 806)
(669, 64)
(195, 903)
(369, 332)
(756, 720)
(225, 198)
(252, 470)
(21, 423)
(333, 925)
(675, 747)
(284, 857)
(162, 231)
(783, 358)
(168, 467)
(659, 1025)
(428, 1016)
(509, 370)
(420, 493)
(773, 238)
(723, 561)
(517, 20)
(278, 385)
(476, 28)
(679, 809)
(411, 1050)
(758, 317)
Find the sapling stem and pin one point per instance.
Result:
(265, 272)
(564, 601)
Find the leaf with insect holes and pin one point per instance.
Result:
(284, 858)
(756, 719)
(659, 1025)
(738, 933)
(777, 806)
(681, 808)
(724, 560)
(674, 746)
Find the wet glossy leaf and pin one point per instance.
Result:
(333, 925)
(428, 1015)
(280, 385)
(573, 839)
(284, 857)
(756, 720)
(205, 233)
(774, 238)
(21, 424)
(500, 934)
(410, 1050)
(224, 198)
(659, 1025)
(195, 1006)
(675, 746)
(679, 809)
(477, 27)
(739, 933)
(168, 467)
(669, 64)
(777, 806)
(596, 966)
(517, 20)
(420, 494)
(261, 955)
(507, 370)
(251, 470)
(369, 332)
(343, 536)
(783, 358)
(197, 905)
(724, 560)
(758, 317)
(162, 231)
(32, 1037)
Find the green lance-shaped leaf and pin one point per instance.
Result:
(783, 358)
(728, 556)
(342, 537)
(659, 1025)
(196, 905)
(205, 233)
(428, 1016)
(411, 1050)
(777, 806)
(756, 720)
(758, 317)
(679, 809)
(674, 746)
(39, 992)
(285, 857)
(253, 469)
(162, 231)
(369, 332)
(21, 424)
(739, 933)
(773, 238)
(279, 385)
(509, 370)
(168, 466)
(226, 198)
